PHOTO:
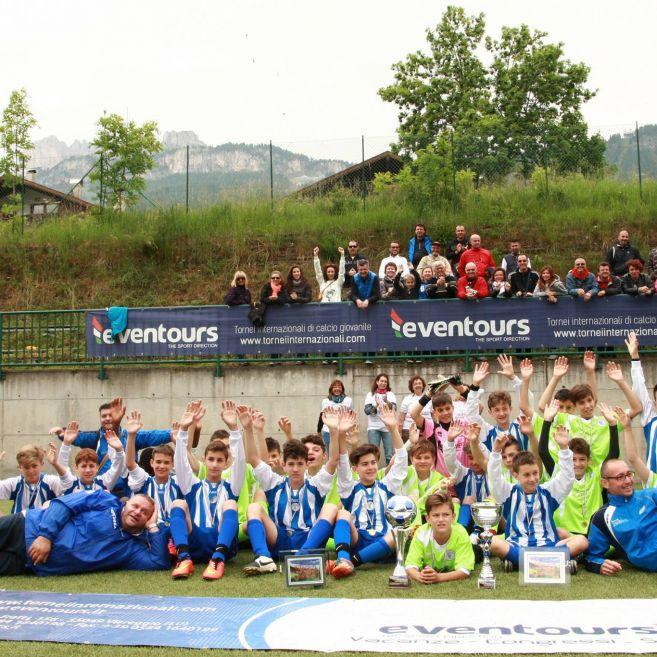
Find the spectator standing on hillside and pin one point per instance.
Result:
(433, 258)
(471, 286)
(364, 286)
(238, 294)
(621, 253)
(351, 259)
(398, 260)
(510, 260)
(635, 282)
(331, 279)
(297, 287)
(549, 285)
(481, 257)
(580, 282)
(456, 246)
(523, 281)
(419, 245)
(608, 284)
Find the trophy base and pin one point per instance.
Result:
(398, 582)
(486, 583)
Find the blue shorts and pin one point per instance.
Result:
(365, 539)
(203, 541)
(286, 542)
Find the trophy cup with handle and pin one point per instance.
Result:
(400, 512)
(486, 515)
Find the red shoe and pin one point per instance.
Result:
(214, 570)
(171, 546)
(183, 569)
(342, 568)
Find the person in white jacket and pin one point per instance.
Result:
(331, 279)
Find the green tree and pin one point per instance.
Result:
(15, 147)
(521, 110)
(126, 152)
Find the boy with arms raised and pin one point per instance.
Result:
(204, 525)
(528, 506)
(298, 518)
(647, 477)
(441, 550)
(361, 531)
(86, 463)
(585, 497)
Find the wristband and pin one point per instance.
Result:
(424, 400)
(473, 388)
(636, 360)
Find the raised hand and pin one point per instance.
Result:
(316, 251)
(632, 344)
(2, 455)
(331, 418)
(134, 422)
(562, 436)
(51, 453)
(340, 250)
(257, 419)
(56, 431)
(187, 418)
(387, 415)
(551, 410)
(560, 367)
(589, 361)
(525, 424)
(622, 416)
(113, 441)
(285, 425)
(118, 410)
(506, 366)
(481, 371)
(175, 428)
(526, 369)
(499, 442)
(243, 412)
(71, 432)
(614, 372)
(608, 413)
(413, 434)
(348, 421)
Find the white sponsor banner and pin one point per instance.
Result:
(468, 626)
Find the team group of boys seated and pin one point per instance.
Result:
(546, 467)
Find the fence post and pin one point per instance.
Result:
(362, 169)
(638, 160)
(100, 195)
(23, 199)
(451, 139)
(102, 374)
(271, 174)
(187, 181)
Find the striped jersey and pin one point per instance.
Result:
(367, 503)
(648, 414)
(293, 510)
(105, 481)
(529, 517)
(205, 498)
(467, 481)
(32, 496)
(164, 494)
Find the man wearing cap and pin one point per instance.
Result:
(433, 258)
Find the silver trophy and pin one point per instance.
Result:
(400, 512)
(486, 515)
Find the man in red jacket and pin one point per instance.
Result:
(481, 257)
(471, 286)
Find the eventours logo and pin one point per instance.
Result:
(156, 335)
(458, 327)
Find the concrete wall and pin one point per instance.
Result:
(32, 402)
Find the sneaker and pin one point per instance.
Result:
(260, 566)
(171, 547)
(214, 570)
(183, 569)
(573, 567)
(342, 568)
(509, 566)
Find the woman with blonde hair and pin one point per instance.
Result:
(238, 294)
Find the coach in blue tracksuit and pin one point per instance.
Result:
(82, 533)
(628, 523)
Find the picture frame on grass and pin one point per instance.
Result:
(304, 570)
(544, 566)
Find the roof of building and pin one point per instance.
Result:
(68, 199)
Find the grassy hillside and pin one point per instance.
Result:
(170, 258)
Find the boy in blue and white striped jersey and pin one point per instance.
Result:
(163, 486)
(361, 532)
(528, 506)
(204, 525)
(32, 489)
(298, 517)
(86, 463)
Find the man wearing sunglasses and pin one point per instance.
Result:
(627, 523)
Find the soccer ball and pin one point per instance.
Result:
(400, 511)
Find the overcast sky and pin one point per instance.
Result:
(304, 74)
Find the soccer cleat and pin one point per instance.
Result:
(342, 568)
(183, 569)
(171, 547)
(214, 570)
(572, 566)
(509, 566)
(260, 566)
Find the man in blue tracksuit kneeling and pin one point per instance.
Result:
(628, 523)
(82, 533)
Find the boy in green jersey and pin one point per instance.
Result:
(441, 551)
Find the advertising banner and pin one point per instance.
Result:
(400, 625)
(393, 326)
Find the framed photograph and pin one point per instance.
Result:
(544, 566)
(305, 570)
